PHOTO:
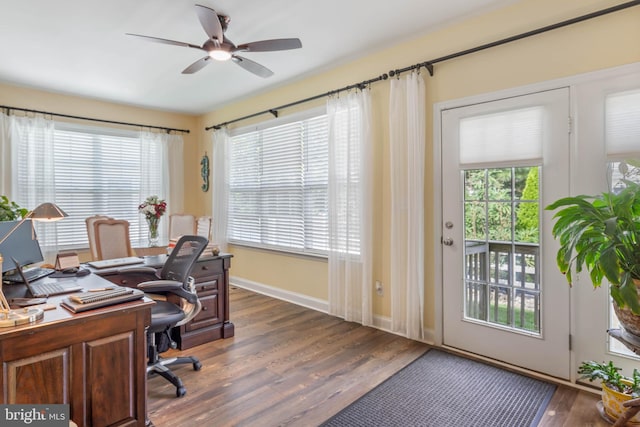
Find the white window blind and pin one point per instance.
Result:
(96, 171)
(622, 123)
(278, 187)
(507, 136)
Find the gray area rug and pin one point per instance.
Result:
(440, 389)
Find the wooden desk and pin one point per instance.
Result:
(211, 274)
(94, 361)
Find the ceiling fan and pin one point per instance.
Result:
(220, 48)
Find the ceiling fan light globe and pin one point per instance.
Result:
(220, 55)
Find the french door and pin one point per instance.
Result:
(502, 162)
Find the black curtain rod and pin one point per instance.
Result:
(274, 111)
(429, 64)
(26, 110)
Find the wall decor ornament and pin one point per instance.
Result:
(204, 172)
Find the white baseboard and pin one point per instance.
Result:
(379, 322)
(271, 291)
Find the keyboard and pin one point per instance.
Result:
(46, 289)
(31, 275)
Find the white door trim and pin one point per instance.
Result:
(571, 82)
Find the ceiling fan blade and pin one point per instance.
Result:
(270, 45)
(251, 66)
(210, 22)
(197, 66)
(165, 41)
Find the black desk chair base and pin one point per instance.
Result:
(159, 365)
(160, 368)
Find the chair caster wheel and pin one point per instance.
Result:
(197, 366)
(181, 391)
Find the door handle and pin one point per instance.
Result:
(447, 241)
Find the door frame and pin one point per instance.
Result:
(571, 82)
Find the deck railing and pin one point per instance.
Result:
(502, 284)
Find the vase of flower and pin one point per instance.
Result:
(154, 236)
(153, 208)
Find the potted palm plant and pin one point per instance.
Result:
(602, 234)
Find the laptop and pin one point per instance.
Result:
(43, 290)
(116, 262)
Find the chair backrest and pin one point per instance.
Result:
(183, 257)
(91, 235)
(112, 238)
(204, 226)
(181, 225)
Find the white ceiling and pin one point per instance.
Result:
(79, 47)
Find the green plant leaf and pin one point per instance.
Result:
(10, 211)
(601, 234)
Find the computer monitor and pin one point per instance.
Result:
(21, 245)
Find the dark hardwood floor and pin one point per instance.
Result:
(292, 366)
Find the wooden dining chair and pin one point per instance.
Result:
(181, 225)
(203, 226)
(91, 235)
(112, 239)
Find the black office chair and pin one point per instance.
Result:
(173, 279)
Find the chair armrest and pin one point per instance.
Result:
(168, 286)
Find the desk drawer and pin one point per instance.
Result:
(209, 315)
(212, 285)
(130, 280)
(206, 268)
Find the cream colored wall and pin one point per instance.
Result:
(592, 45)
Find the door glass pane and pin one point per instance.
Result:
(502, 277)
(475, 185)
(476, 220)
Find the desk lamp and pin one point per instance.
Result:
(9, 317)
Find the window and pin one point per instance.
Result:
(622, 127)
(278, 186)
(86, 171)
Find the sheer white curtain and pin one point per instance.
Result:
(170, 147)
(407, 141)
(173, 146)
(220, 196)
(32, 138)
(5, 156)
(350, 207)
